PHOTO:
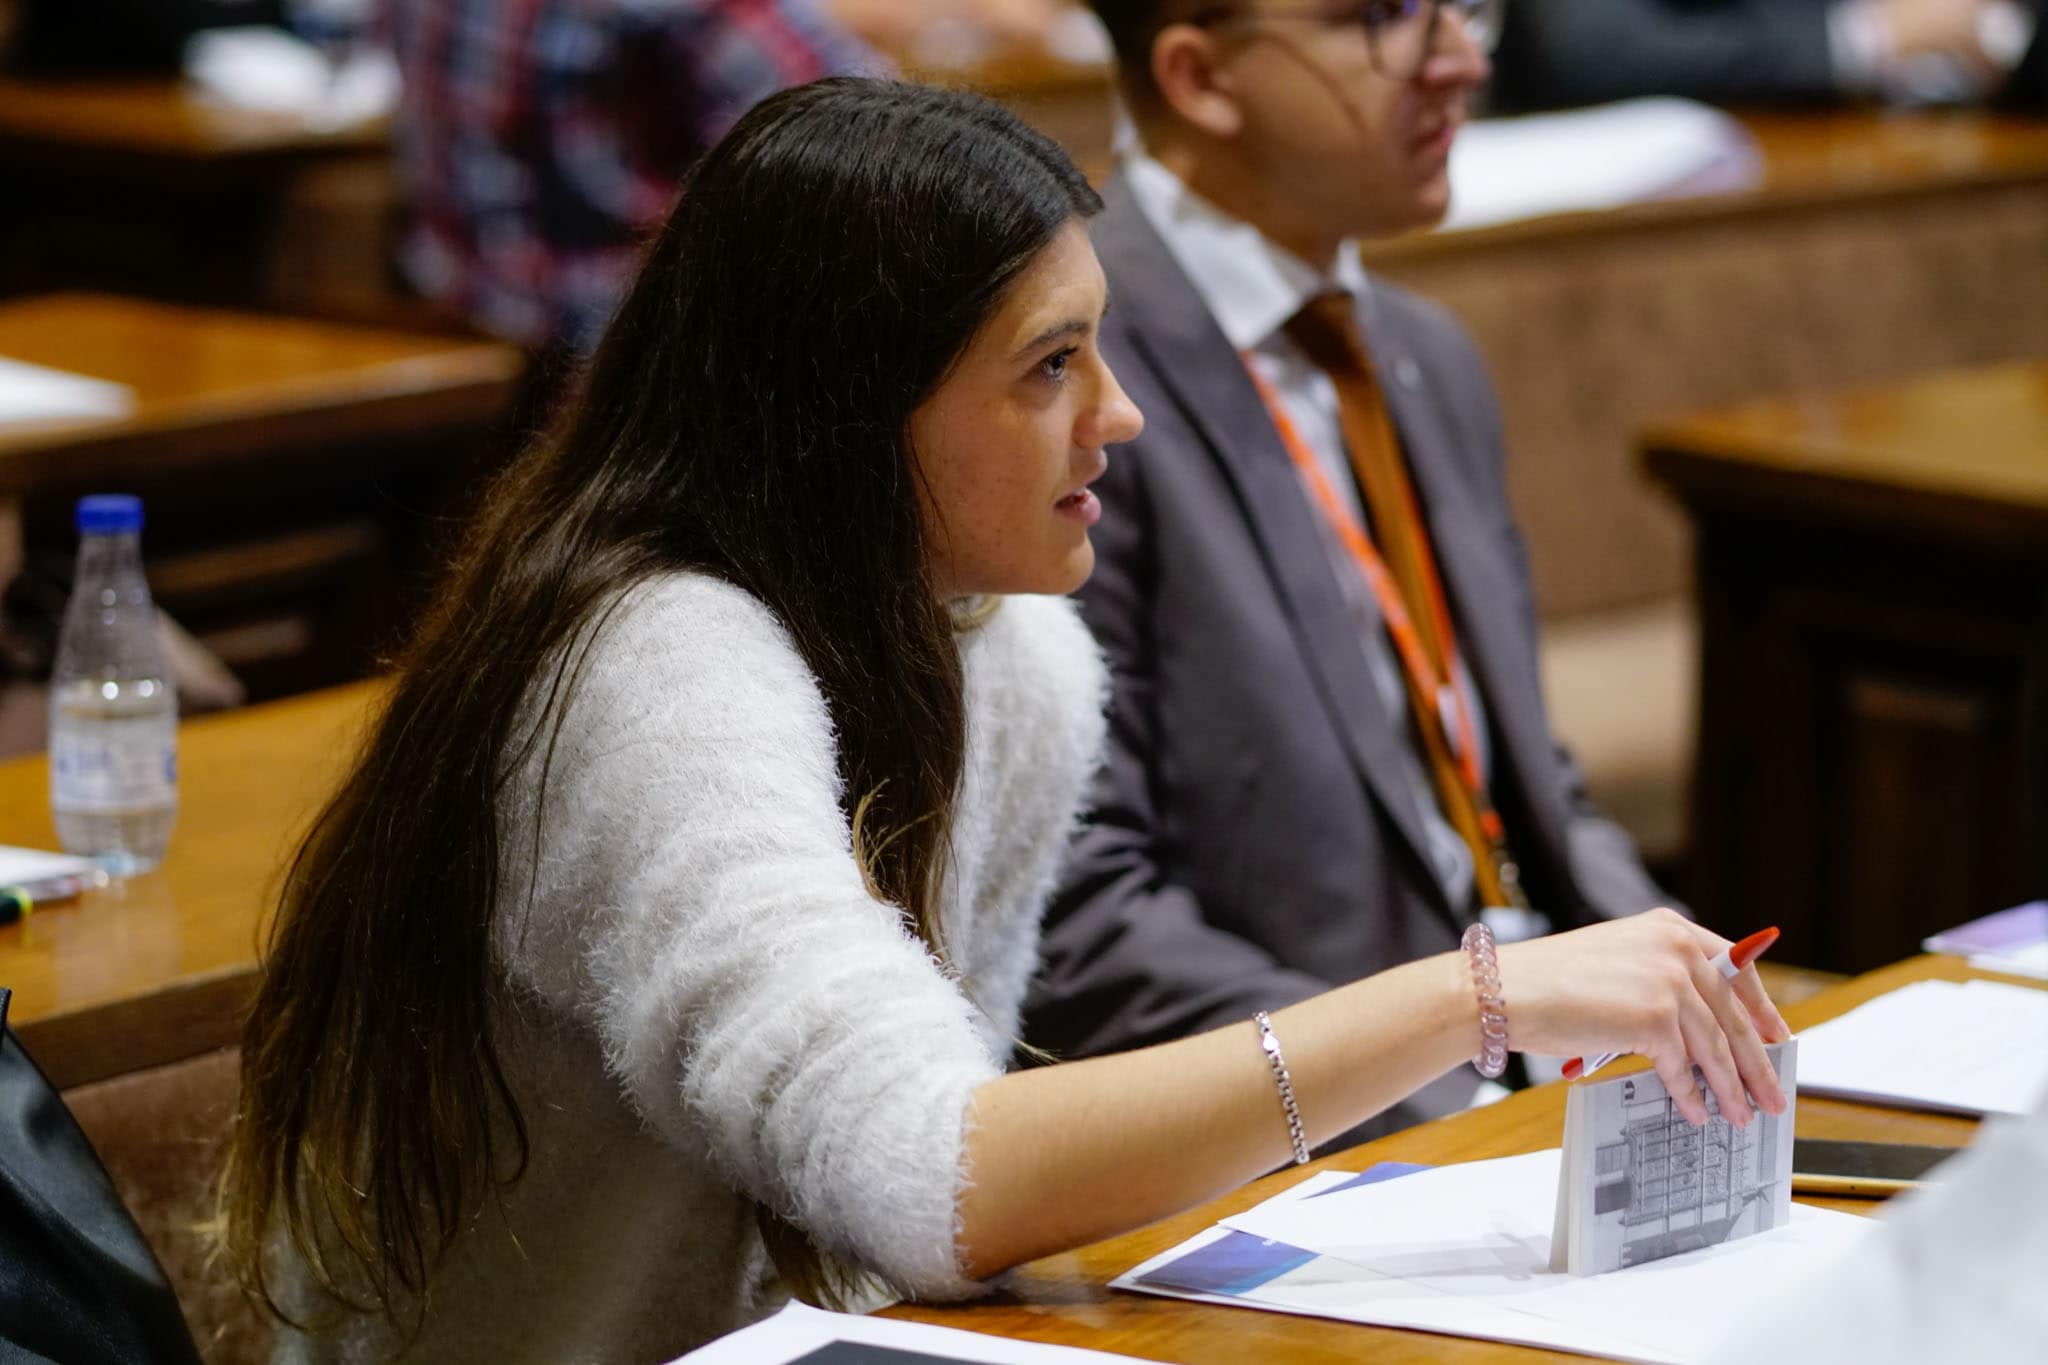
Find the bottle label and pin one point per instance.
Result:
(114, 766)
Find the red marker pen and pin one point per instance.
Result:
(1730, 961)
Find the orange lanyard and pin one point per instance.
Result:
(1454, 712)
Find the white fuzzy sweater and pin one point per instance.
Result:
(710, 1004)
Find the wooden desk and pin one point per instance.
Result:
(158, 968)
(1873, 587)
(292, 468)
(158, 118)
(1063, 1299)
(212, 385)
(140, 186)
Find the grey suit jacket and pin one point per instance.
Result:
(1252, 841)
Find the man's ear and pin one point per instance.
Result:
(1193, 82)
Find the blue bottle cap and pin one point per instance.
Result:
(110, 514)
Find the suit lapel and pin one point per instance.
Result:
(1486, 591)
(1195, 362)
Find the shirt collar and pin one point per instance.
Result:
(1251, 284)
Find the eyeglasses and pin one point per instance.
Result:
(1399, 34)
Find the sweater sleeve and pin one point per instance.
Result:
(697, 905)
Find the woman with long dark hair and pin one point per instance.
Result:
(661, 955)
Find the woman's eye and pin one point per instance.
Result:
(1054, 367)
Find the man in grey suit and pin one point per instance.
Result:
(1270, 821)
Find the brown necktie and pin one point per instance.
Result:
(1326, 329)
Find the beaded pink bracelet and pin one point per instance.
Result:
(1493, 1012)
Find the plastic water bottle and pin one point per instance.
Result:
(113, 707)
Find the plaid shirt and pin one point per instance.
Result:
(541, 140)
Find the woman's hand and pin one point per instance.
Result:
(1648, 984)
(1066, 1155)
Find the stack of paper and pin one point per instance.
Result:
(46, 876)
(1465, 1251)
(1591, 159)
(1972, 1047)
(2014, 941)
(31, 393)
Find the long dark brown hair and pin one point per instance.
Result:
(747, 416)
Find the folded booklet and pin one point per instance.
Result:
(1639, 1182)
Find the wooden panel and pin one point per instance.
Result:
(1874, 792)
(1874, 689)
(1064, 1299)
(1917, 783)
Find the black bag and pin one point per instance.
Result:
(78, 1285)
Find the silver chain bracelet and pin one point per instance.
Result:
(1269, 1043)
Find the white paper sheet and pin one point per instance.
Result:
(1465, 1250)
(1600, 158)
(797, 1332)
(33, 393)
(268, 70)
(1974, 1047)
(33, 867)
(2029, 961)
(1473, 1214)
(1342, 1292)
